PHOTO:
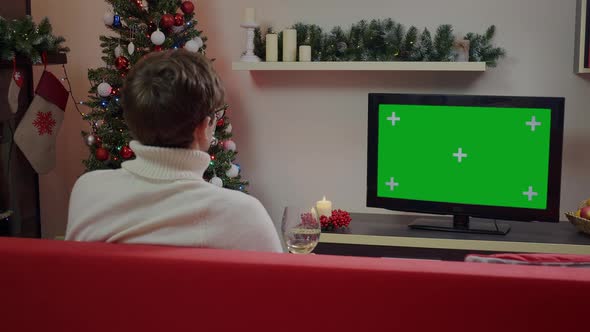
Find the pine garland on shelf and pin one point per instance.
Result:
(386, 40)
(23, 37)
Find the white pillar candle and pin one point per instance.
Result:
(249, 15)
(304, 53)
(272, 47)
(324, 207)
(289, 45)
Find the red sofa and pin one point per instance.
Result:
(68, 286)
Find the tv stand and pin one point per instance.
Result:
(461, 224)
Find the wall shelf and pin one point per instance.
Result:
(52, 59)
(361, 66)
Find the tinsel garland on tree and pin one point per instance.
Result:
(135, 22)
(24, 38)
(386, 40)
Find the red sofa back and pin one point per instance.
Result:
(68, 286)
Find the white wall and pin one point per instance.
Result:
(303, 134)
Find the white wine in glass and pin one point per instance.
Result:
(301, 230)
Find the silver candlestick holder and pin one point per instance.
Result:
(249, 55)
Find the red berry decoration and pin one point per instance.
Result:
(338, 219)
(178, 19)
(115, 91)
(98, 141)
(187, 7)
(101, 154)
(122, 63)
(221, 122)
(167, 21)
(158, 48)
(126, 152)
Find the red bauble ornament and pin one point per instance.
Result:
(126, 152)
(178, 19)
(187, 7)
(221, 122)
(158, 48)
(138, 4)
(151, 28)
(115, 91)
(101, 154)
(122, 63)
(167, 21)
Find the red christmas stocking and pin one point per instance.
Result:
(36, 134)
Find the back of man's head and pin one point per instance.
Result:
(167, 95)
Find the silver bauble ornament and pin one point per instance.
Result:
(158, 37)
(90, 140)
(233, 171)
(192, 46)
(104, 89)
(108, 18)
(228, 129)
(217, 181)
(229, 145)
(199, 41)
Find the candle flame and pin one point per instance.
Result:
(324, 199)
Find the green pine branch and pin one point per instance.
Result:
(387, 40)
(23, 37)
(443, 43)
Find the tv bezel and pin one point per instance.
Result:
(550, 214)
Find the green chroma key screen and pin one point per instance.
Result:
(490, 156)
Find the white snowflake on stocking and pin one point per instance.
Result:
(44, 123)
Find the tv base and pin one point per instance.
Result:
(461, 224)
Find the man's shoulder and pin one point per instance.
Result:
(238, 201)
(235, 197)
(97, 177)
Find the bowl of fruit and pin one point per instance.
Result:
(581, 218)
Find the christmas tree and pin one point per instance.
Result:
(142, 27)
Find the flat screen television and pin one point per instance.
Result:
(491, 157)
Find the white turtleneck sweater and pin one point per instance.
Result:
(161, 198)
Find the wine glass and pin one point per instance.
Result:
(301, 230)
